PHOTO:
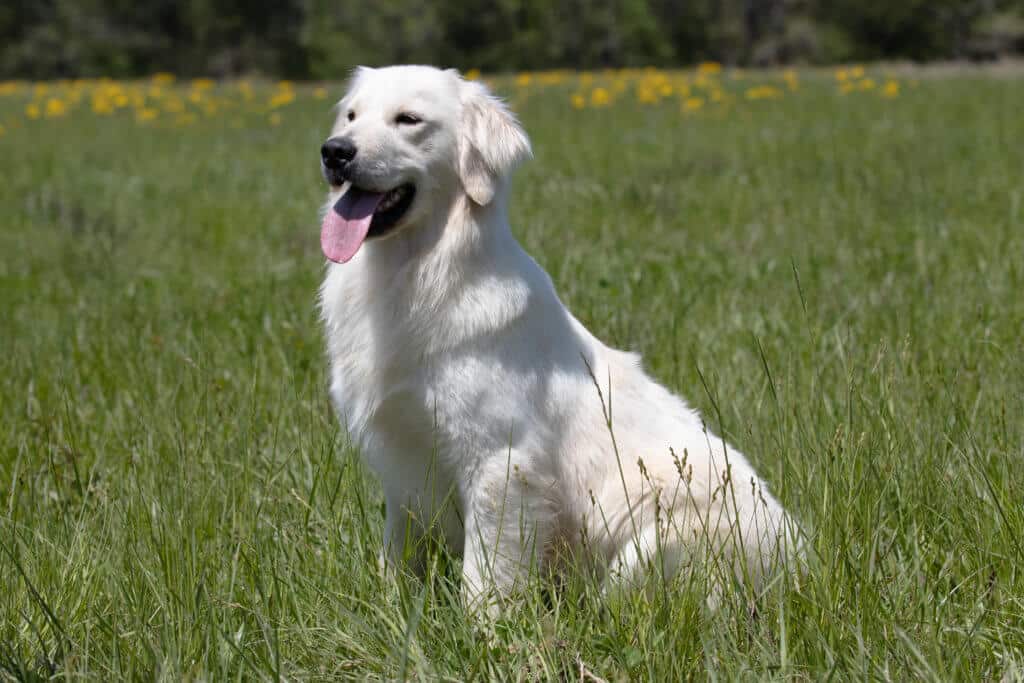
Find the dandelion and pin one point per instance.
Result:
(32, 110)
(891, 89)
(866, 84)
(709, 68)
(693, 103)
(162, 78)
(763, 92)
(857, 72)
(523, 80)
(600, 97)
(102, 105)
(146, 114)
(472, 74)
(55, 108)
(201, 84)
(578, 101)
(842, 75)
(282, 98)
(646, 95)
(8, 88)
(320, 93)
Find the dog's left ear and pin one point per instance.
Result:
(491, 142)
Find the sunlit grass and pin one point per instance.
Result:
(832, 258)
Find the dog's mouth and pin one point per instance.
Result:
(360, 215)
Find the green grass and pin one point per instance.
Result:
(177, 501)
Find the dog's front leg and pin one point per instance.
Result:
(508, 522)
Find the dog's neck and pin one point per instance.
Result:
(426, 261)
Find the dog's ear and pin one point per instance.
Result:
(491, 142)
(354, 77)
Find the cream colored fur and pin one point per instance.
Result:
(478, 398)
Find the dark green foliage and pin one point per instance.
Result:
(322, 38)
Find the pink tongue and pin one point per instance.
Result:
(345, 226)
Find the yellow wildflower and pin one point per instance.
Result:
(55, 108)
(693, 103)
(523, 80)
(282, 98)
(32, 110)
(891, 89)
(842, 75)
(102, 105)
(866, 84)
(600, 97)
(763, 92)
(472, 74)
(857, 72)
(709, 68)
(145, 114)
(202, 84)
(578, 101)
(320, 93)
(646, 95)
(162, 78)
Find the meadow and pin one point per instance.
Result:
(828, 264)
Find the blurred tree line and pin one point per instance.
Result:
(324, 38)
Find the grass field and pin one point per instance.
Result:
(829, 265)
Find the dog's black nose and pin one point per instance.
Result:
(337, 152)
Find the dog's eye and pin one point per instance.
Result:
(351, 115)
(407, 119)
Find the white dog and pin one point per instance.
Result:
(495, 420)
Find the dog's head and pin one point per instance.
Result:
(406, 140)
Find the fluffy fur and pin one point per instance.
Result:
(477, 397)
